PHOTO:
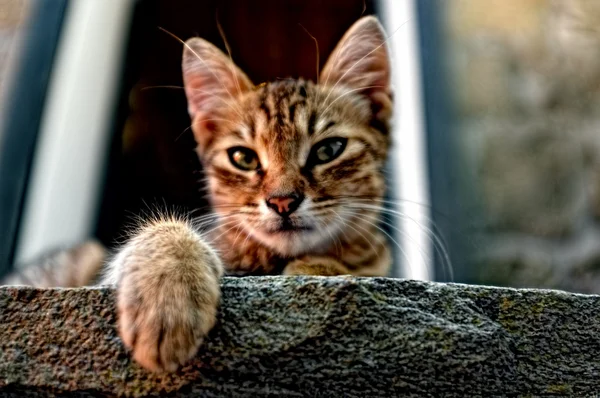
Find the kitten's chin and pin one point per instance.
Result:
(292, 242)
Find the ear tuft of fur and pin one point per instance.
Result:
(209, 76)
(360, 62)
(211, 82)
(360, 59)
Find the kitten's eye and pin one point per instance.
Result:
(243, 158)
(327, 150)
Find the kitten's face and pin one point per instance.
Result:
(290, 162)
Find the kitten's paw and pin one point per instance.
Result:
(167, 300)
(164, 326)
(320, 266)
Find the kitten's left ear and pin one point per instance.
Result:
(360, 62)
(211, 79)
(209, 74)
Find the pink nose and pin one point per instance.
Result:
(285, 205)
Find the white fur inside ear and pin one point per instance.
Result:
(360, 60)
(213, 84)
(210, 77)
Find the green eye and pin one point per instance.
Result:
(243, 158)
(327, 150)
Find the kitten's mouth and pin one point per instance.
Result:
(286, 227)
(290, 237)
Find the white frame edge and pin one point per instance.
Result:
(409, 154)
(69, 161)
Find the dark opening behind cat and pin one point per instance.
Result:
(295, 179)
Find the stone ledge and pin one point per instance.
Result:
(307, 336)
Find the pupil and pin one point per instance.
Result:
(244, 159)
(324, 153)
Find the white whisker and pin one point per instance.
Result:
(316, 45)
(238, 224)
(200, 59)
(398, 230)
(336, 241)
(438, 243)
(203, 120)
(383, 231)
(346, 223)
(232, 65)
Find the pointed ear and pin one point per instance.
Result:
(360, 62)
(210, 79)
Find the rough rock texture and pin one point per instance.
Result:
(333, 337)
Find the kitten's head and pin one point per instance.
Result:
(291, 161)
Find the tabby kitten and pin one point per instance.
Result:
(294, 173)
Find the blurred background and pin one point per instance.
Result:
(497, 128)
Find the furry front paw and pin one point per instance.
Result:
(167, 297)
(319, 266)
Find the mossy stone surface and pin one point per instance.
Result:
(311, 336)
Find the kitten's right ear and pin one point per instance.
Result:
(360, 62)
(211, 79)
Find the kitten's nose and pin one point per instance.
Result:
(286, 204)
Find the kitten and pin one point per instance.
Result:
(294, 173)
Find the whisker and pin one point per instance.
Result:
(228, 206)
(321, 206)
(401, 232)
(385, 202)
(199, 58)
(232, 65)
(350, 223)
(336, 242)
(343, 225)
(397, 202)
(347, 222)
(214, 223)
(247, 237)
(335, 60)
(385, 233)
(204, 217)
(438, 242)
(203, 120)
(224, 101)
(316, 45)
(236, 237)
(237, 224)
(162, 86)
(435, 233)
(320, 212)
(211, 216)
(182, 133)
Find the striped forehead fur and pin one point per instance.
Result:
(282, 122)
